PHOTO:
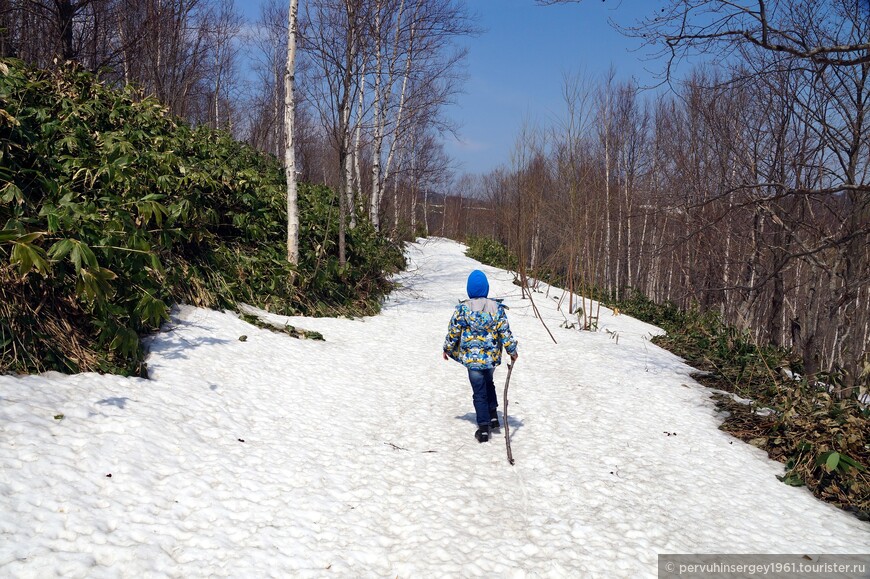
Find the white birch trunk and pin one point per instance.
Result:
(289, 156)
(414, 208)
(395, 208)
(348, 157)
(426, 212)
(638, 270)
(395, 138)
(867, 320)
(402, 96)
(617, 278)
(356, 146)
(378, 105)
(607, 247)
(381, 99)
(217, 90)
(375, 202)
(125, 57)
(629, 184)
(536, 241)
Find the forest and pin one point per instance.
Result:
(133, 114)
(739, 189)
(743, 189)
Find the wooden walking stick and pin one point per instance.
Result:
(507, 428)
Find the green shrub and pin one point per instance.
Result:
(489, 251)
(667, 316)
(111, 210)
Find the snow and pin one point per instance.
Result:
(355, 456)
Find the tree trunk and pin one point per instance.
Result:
(6, 47)
(414, 208)
(357, 145)
(426, 212)
(394, 143)
(377, 138)
(289, 153)
(65, 15)
(396, 208)
(125, 50)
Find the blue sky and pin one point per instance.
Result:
(517, 65)
(516, 68)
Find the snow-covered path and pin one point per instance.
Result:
(355, 456)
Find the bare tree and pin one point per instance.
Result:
(7, 44)
(289, 152)
(332, 42)
(416, 70)
(224, 26)
(783, 178)
(385, 64)
(267, 47)
(607, 136)
(802, 29)
(65, 12)
(41, 30)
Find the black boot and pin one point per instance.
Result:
(482, 434)
(493, 421)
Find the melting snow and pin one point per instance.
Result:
(355, 456)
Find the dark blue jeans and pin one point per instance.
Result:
(483, 394)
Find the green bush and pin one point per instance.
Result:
(667, 316)
(111, 210)
(489, 251)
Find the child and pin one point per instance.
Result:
(478, 330)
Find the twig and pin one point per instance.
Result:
(535, 308)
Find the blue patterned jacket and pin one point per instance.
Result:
(477, 331)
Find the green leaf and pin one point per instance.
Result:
(851, 462)
(152, 310)
(156, 265)
(804, 446)
(11, 193)
(121, 162)
(791, 480)
(29, 237)
(60, 249)
(27, 256)
(53, 222)
(93, 284)
(81, 255)
(149, 209)
(125, 340)
(8, 234)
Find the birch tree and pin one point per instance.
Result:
(379, 104)
(224, 24)
(416, 67)
(289, 152)
(606, 137)
(334, 41)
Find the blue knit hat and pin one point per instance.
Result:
(478, 286)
